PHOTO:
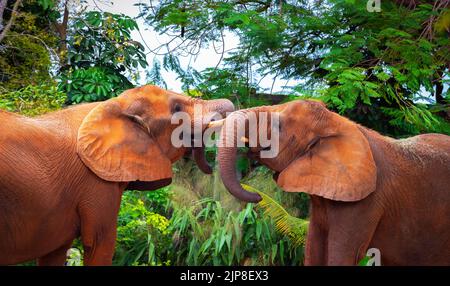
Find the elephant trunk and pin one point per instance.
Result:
(227, 156)
(211, 109)
(221, 106)
(200, 159)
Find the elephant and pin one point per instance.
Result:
(62, 174)
(367, 191)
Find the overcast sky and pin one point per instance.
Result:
(208, 57)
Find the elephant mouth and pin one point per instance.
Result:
(217, 109)
(254, 155)
(198, 151)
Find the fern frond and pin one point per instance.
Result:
(293, 227)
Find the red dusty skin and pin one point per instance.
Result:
(227, 158)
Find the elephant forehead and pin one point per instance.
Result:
(147, 96)
(157, 105)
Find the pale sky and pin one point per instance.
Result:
(208, 57)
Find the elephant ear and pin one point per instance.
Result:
(114, 142)
(339, 167)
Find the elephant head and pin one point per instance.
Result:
(319, 152)
(128, 138)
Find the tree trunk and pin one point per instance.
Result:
(61, 28)
(2, 9)
(439, 89)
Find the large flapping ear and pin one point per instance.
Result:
(114, 142)
(339, 167)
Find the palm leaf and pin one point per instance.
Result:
(293, 227)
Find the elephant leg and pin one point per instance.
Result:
(351, 229)
(55, 258)
(316, 242)
(98, 235)
(342, 253)
(346, 254)
(316, 246)
(99, 225)
(100, 250)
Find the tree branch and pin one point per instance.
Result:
(11, 20)
(2, 9)
(61, 28)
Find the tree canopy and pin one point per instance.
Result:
(89, 53)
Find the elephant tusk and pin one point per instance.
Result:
(218, 123)
(244, 139)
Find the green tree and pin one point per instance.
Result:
(102, 58)
(91, 52)
(387, 70)
(27, 47)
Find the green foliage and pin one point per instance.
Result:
(154, 75)
(228, 83)
(364, 261)
(293, 227)
(204, 234)
(26, 51)
(46, 4)
(385, 67)
(33, 100)
(93, 84)
(102, 58)
(159, 200)
(143, 237)
(74, 257)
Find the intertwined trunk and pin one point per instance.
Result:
(228, 153)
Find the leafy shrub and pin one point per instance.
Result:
(158, 201)
(206, 234)
(143, 237)
(33, 100)
(74, 257)
(293, 227)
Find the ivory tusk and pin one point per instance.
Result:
(244, 139)
(218, 123)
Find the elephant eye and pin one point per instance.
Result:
(176, 108)
(313, 143)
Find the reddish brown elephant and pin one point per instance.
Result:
(367, 190)
(62, 174)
